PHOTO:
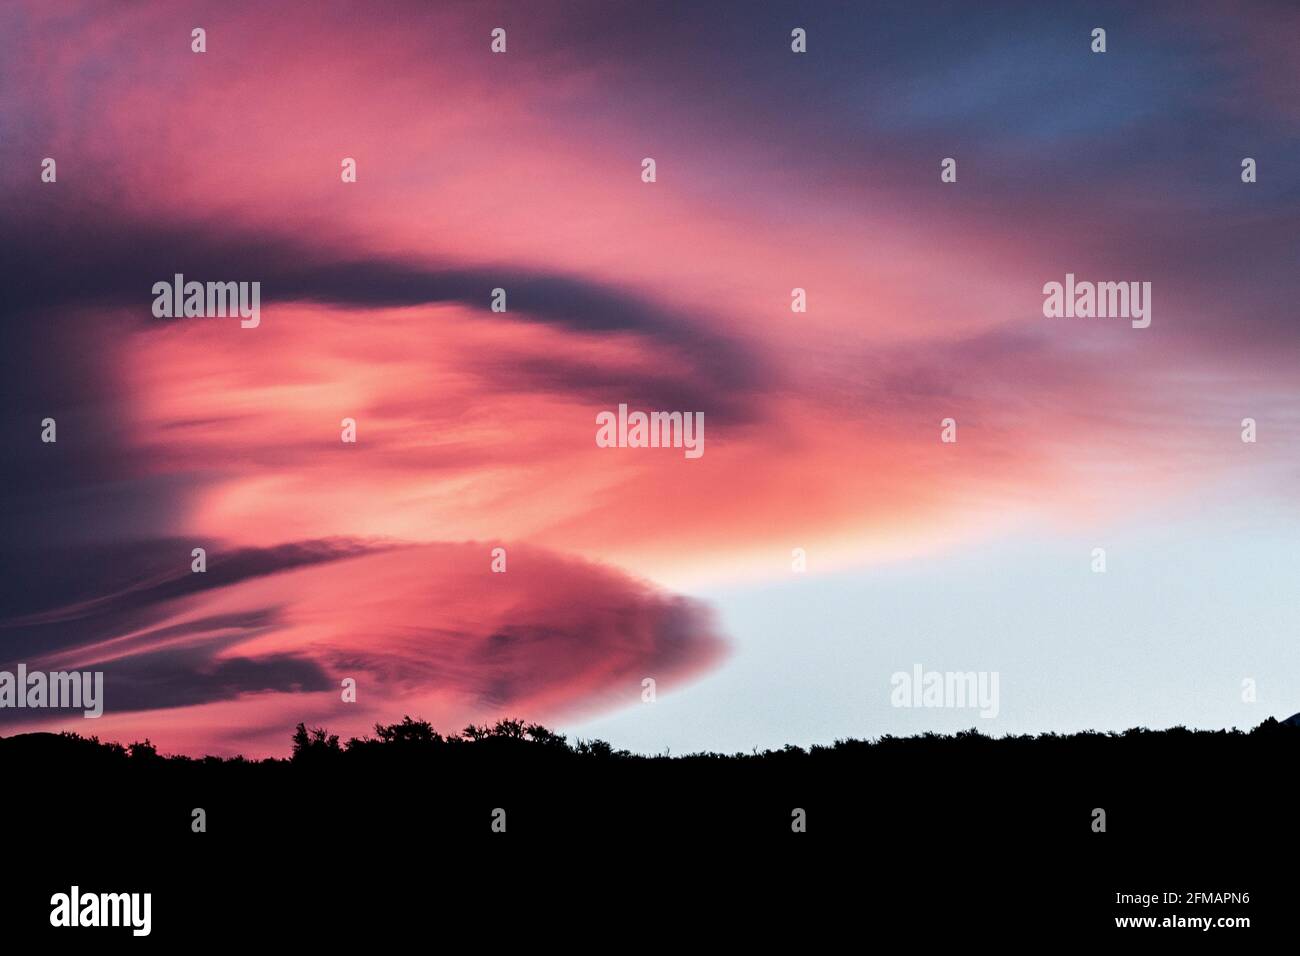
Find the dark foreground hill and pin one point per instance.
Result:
(529, 781)
(953, 821)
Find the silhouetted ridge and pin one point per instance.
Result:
(511, 738)
(410, 783)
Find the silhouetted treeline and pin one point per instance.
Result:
(412, 777)
(514, 739)
(504, 740)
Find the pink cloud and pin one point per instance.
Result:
(428, 630)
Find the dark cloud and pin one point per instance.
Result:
(55, 265)
(59, 599)
(187, 676)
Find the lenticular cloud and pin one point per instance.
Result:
(429, 629)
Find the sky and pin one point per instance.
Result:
(476, 429)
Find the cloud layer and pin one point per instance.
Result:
(522, 172)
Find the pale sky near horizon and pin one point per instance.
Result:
(1184, 612)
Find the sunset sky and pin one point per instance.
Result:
(475, 429)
